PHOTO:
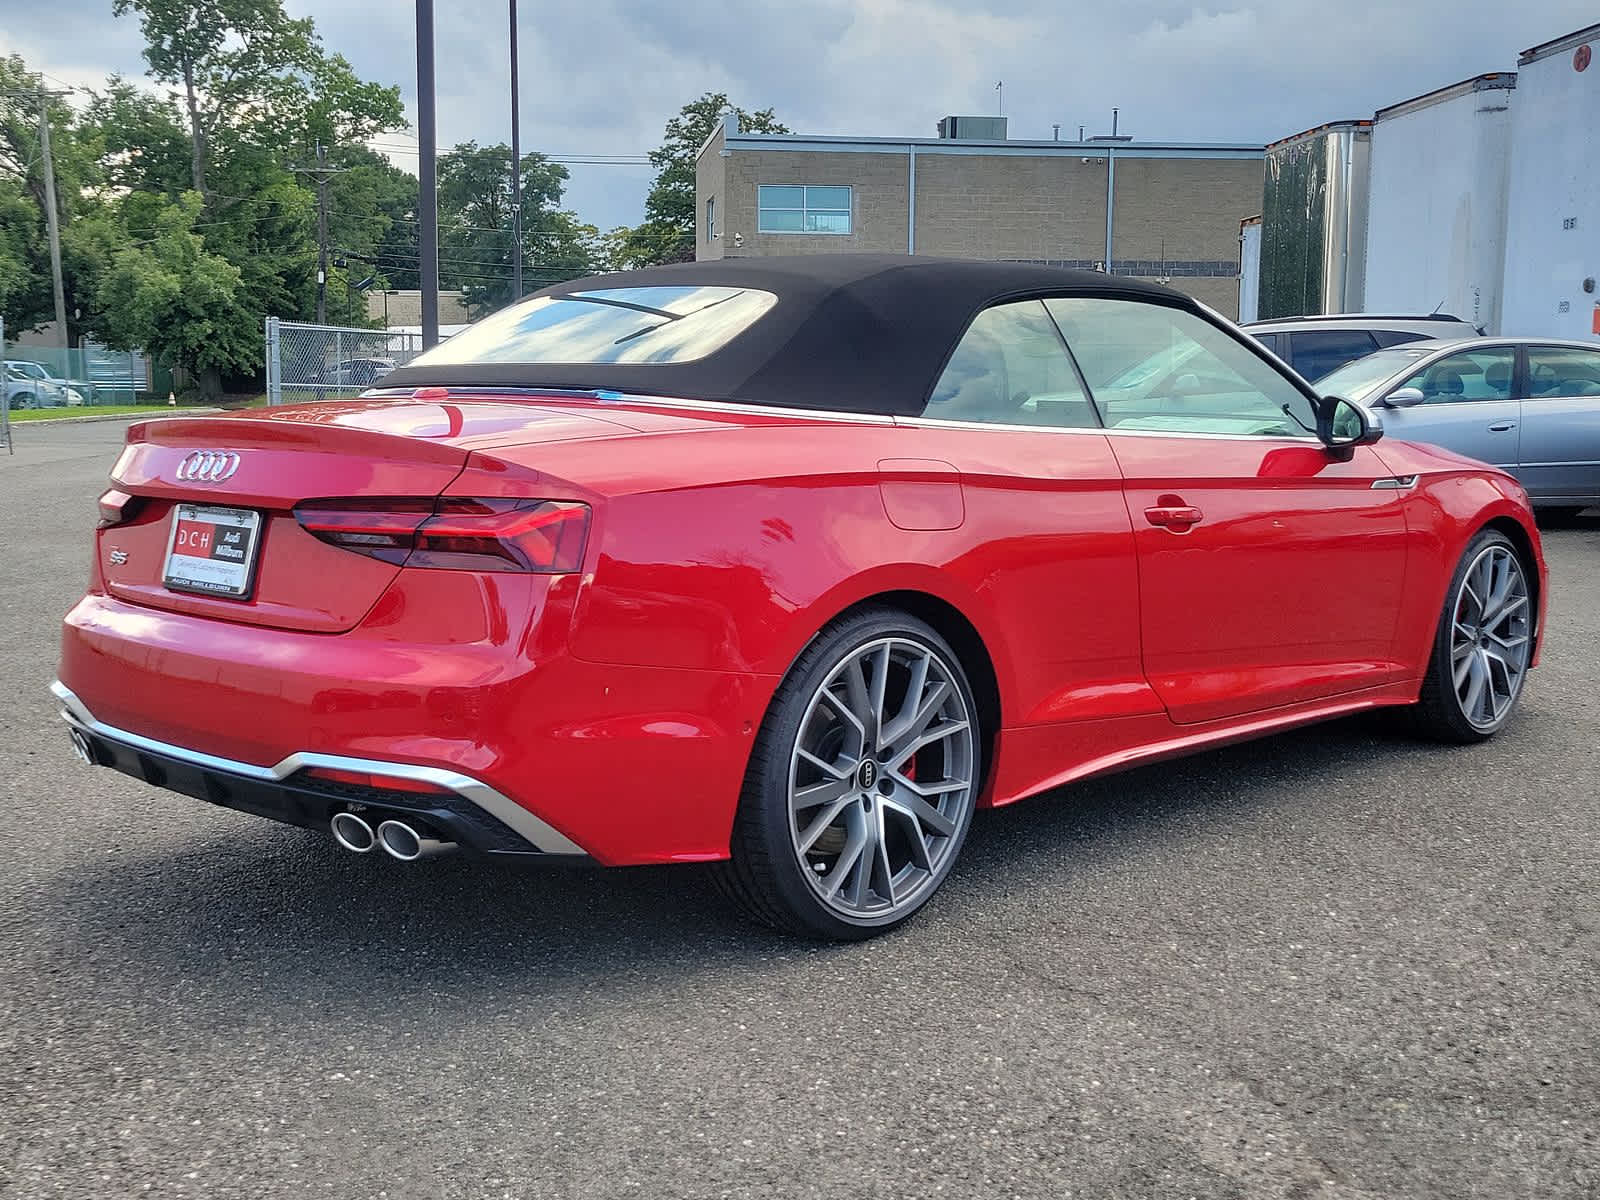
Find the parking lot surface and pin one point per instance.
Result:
(1332, 964)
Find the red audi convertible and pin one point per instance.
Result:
(785, 565)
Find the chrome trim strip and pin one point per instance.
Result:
(497, 804)
(828, 414)
(1252, 438)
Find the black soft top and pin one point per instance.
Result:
(850, 332)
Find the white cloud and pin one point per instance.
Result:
(603, 76)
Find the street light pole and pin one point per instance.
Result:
(516, 169)
(427, 178)
(52, 225)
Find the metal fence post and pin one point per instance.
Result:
(5, 400)
(330, 362)
(274, 370)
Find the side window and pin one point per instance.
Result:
(1397, 337)
(1011, 368)
(1269, 340)
(1470, 375)
(1559, 371)
(1316, 354)
(1152, 366)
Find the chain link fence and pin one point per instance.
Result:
(41, 376)
(331, 362)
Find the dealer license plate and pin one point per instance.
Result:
(213, 550)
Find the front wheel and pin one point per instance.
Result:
(861, 784)
(1483, 644)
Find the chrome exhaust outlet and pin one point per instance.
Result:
(405, 843)
(352, 832)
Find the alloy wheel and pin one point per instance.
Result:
(1491, 636)
(881, 779)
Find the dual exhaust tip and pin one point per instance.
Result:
(398, 839)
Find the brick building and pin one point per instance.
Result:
(1175, 208)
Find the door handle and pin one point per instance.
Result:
(1177, 517)
(1502, 427)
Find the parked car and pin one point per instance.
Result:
(28, 385)
(49, 388)
(1314, 346)
(1529, 407)
(784, 564)
(356, 372)
(20, 390)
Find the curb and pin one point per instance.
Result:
(140, 416)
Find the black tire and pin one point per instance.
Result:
(22, 400)
(1438, 713)
(767, 873)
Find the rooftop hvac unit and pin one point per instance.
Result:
(975, 129)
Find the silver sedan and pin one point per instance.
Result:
(1530, 406)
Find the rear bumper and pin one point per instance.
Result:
(628, 765)
(470, 813)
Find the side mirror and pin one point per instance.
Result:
(1406, 397)
(1343, 425)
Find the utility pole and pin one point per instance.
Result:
(52, 223)
(516, 169)
(428, 179)
(322, 236)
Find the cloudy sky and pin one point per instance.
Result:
(599, 77)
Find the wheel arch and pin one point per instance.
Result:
(1523, 541)
(960, 631)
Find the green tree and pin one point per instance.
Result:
(143, 136)
(26, 294)
(667, 232)
(226, 55)
(475, 225)
(372, 216)
(174, 299)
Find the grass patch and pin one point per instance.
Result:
(77, 412)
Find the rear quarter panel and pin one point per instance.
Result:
(784, 527)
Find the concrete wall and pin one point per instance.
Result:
(1010, 207)
(878, 200)
(1176, 217)
(710, 180)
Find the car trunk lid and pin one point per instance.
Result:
(270, 463)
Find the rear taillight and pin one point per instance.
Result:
(541, 536)
(118, 506)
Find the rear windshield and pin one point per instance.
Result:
(615, 325)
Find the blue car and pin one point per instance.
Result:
(1530, 406)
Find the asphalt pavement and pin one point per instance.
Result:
(1331, 964)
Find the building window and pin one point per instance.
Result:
(782, 209)
(711, 218)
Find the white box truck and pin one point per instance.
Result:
(1436, 206)
(1553, 216)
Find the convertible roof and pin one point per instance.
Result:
(849, 332)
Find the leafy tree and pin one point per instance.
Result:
(372, 216)
(226, 54)
(143, 135)
(475, 225)
(252, 75)
(667, 232)
(174, 299)
(26, 295)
